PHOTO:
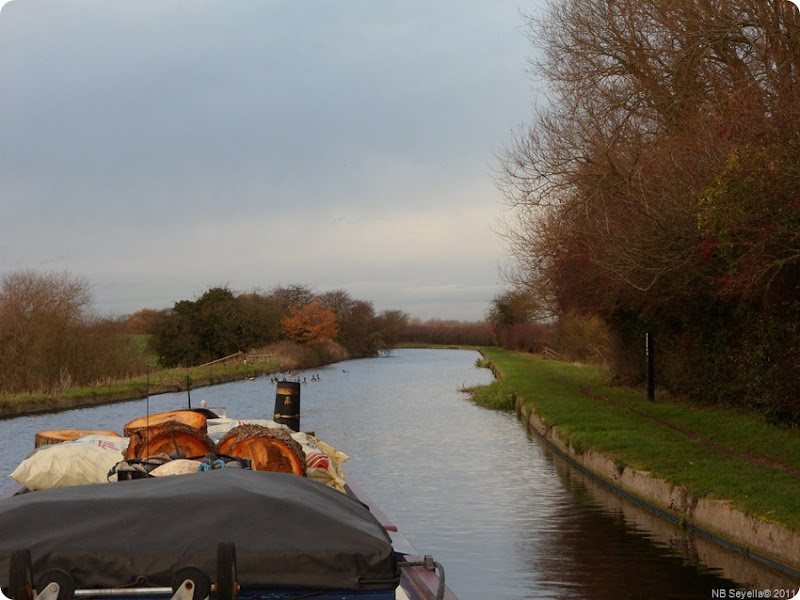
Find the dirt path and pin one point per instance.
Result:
(756, 460)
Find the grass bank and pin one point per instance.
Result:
(159, 381)
(282, 356)
(712, 453)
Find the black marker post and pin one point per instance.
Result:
(648, 350)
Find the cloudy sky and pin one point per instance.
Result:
(159, 148)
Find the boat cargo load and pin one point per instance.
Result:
(288, 532)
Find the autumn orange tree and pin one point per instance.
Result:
(222, 322)
(659, 188)
(310, 323)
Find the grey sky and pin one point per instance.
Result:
(158, 148)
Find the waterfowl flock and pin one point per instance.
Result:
(290, 376)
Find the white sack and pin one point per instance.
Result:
(78, 462)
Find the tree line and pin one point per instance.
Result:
(51, 338)
(658, 189)
(222, 322)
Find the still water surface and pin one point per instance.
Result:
(506, 518)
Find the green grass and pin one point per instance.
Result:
(157, 381)
(177, 377)
(570, 396)
(284, 356)
(498, 395)
(141, 344)
(9, 399)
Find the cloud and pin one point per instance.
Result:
(157, 148)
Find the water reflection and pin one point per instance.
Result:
(680, 554)
(507, 518)
(598, 533)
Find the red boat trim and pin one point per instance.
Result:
(419, 583)
(357, 491)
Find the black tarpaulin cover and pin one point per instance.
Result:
(289, 531)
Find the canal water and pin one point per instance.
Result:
(506, 517)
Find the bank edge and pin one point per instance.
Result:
(768, 543)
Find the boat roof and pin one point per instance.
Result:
(289, 532)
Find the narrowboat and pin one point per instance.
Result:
(231, 529)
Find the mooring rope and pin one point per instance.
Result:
(431, 565)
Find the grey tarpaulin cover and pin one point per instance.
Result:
(289, 531)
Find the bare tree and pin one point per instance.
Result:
(648, 102)
(49, 337)
(662, 173)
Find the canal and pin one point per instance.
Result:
(506, 517)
